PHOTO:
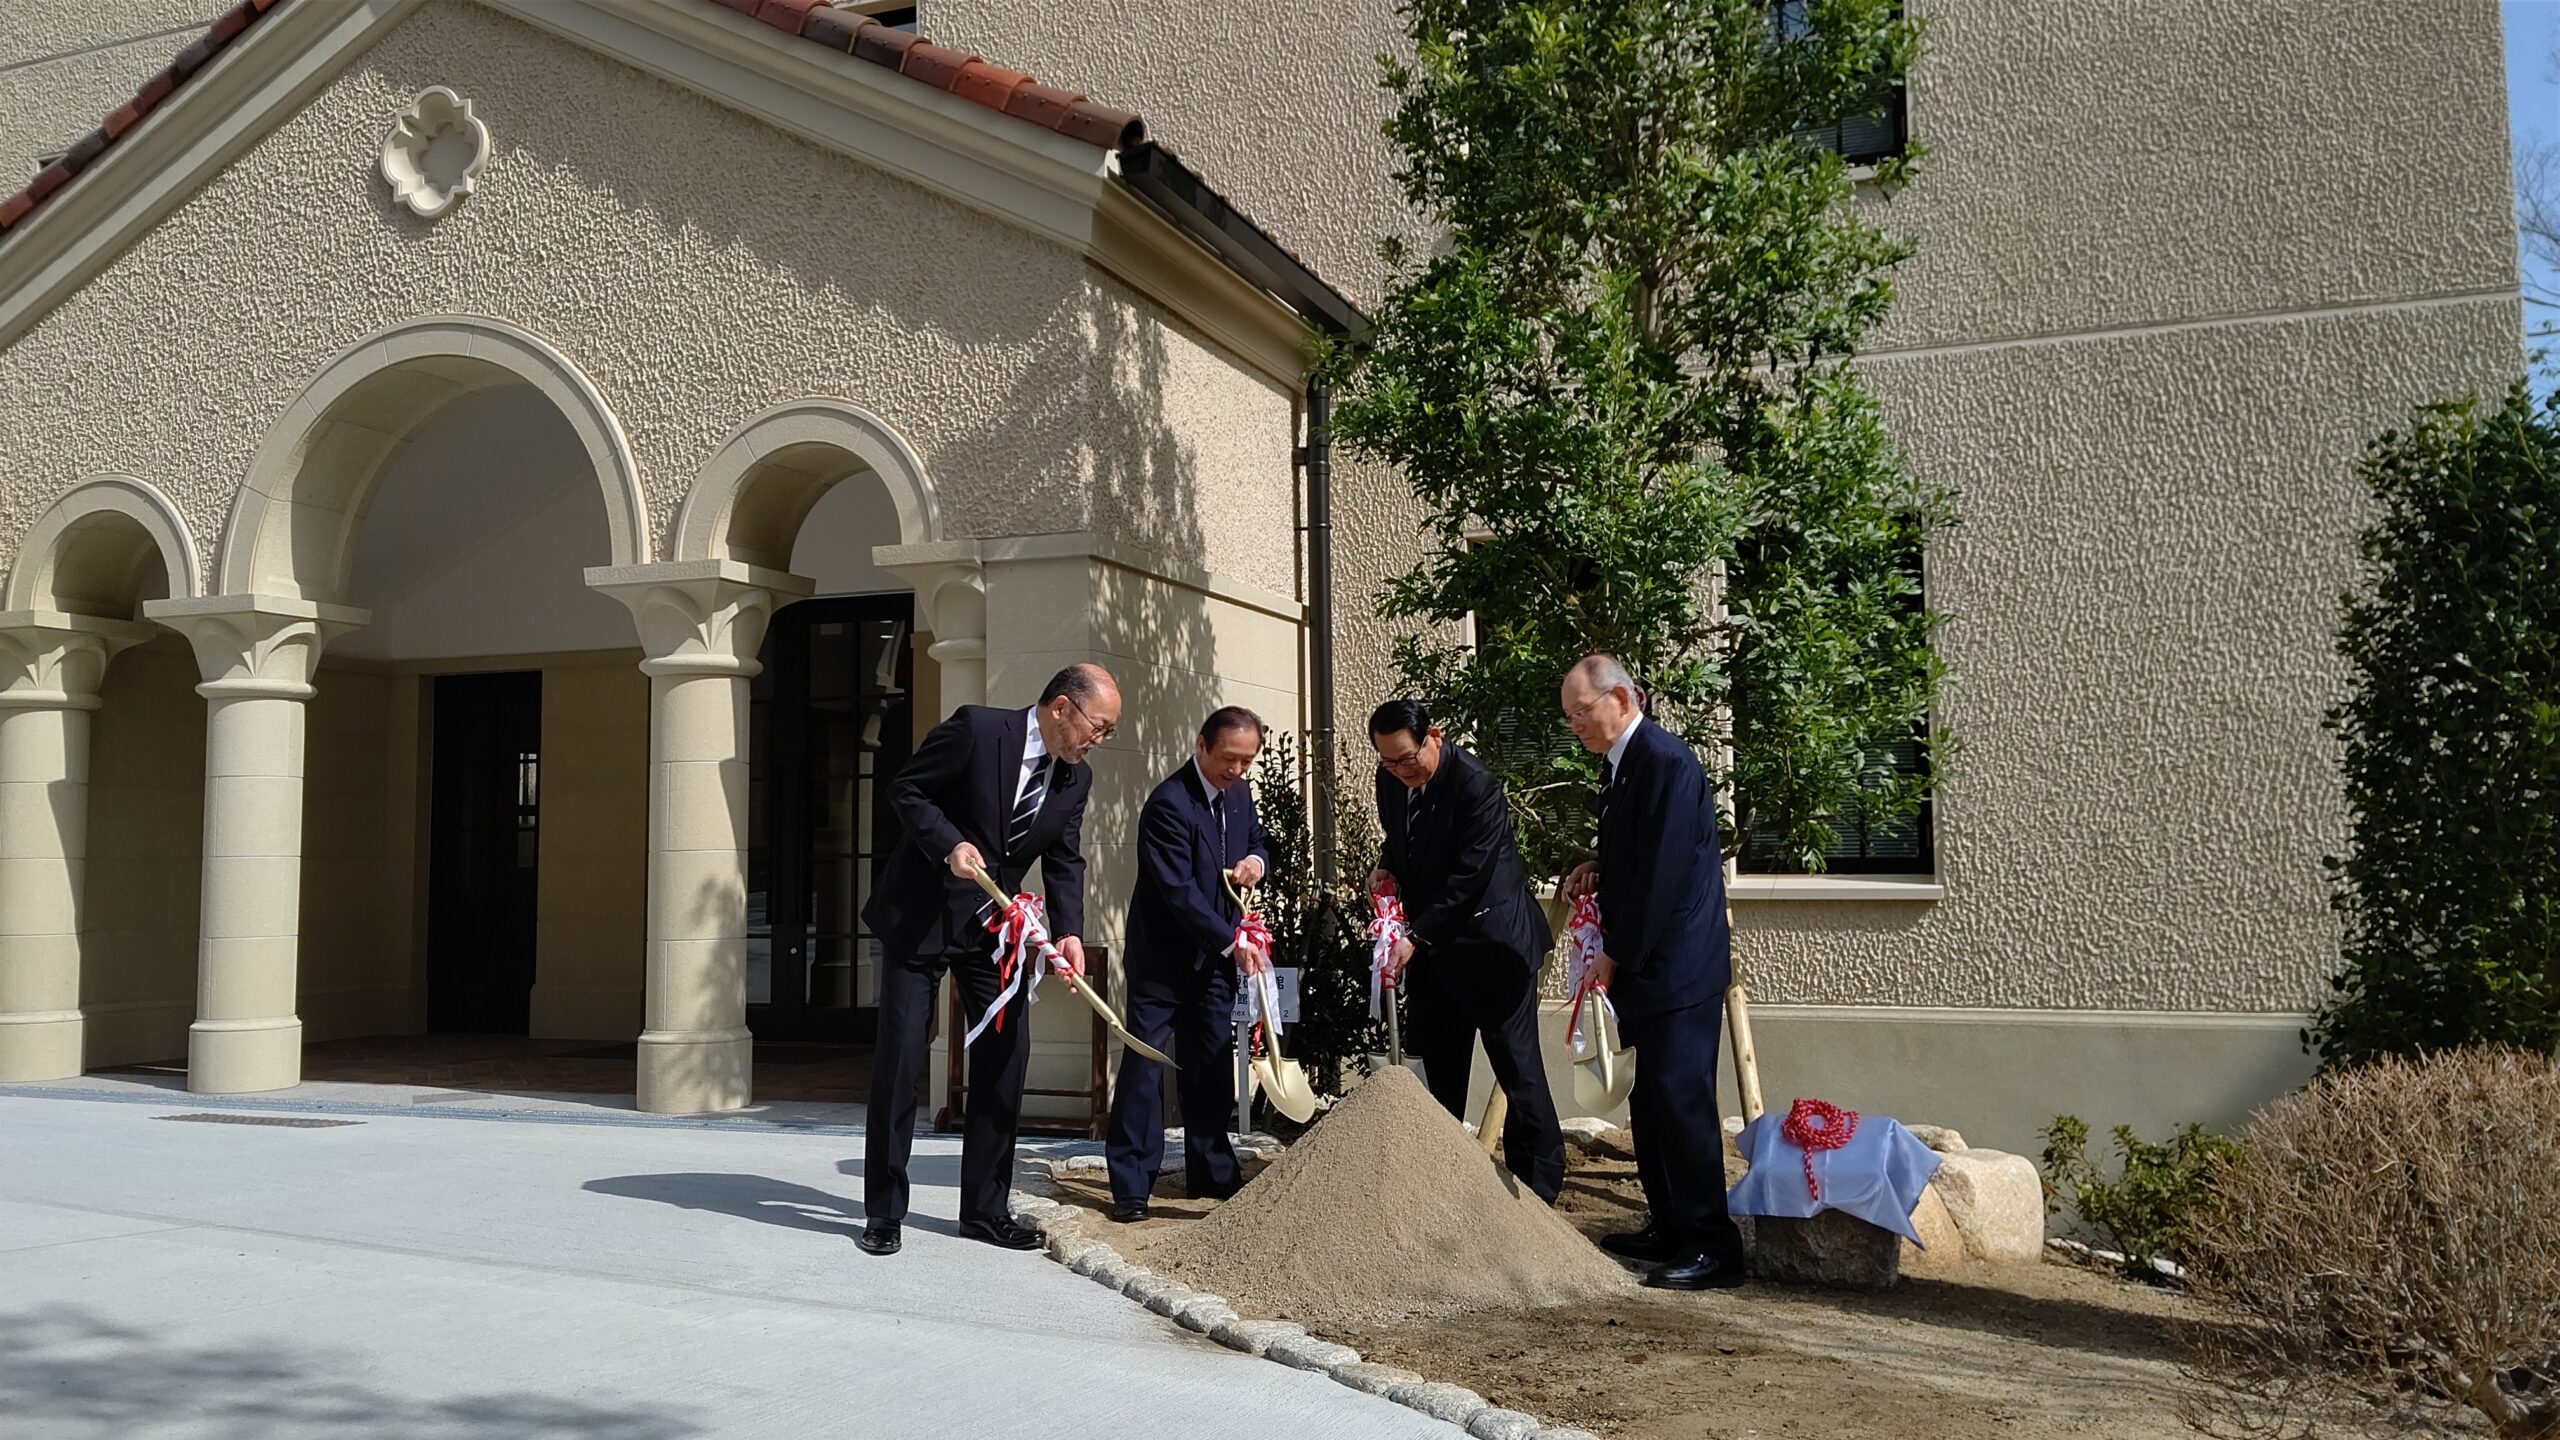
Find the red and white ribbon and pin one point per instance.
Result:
(1023, 952)
(1386, 927)
(1585, 941)
(1252, 931)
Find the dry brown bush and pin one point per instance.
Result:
(2389, 1237)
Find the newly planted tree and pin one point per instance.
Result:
(1620, 384)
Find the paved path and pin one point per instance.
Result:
(553, 1274)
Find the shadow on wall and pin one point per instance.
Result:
(69, 1373)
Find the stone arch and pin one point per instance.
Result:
(100, 547)
(749, 499)
(292, 531)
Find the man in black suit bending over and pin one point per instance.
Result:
(1197, 832)
(1471, 965)
(995, 790)
(1667, 961)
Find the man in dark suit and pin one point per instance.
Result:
(1667, 961)
(1197, 832)
(1471, 965)
(995, 790)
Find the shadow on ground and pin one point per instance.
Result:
(68, 1374)
(762, 1199)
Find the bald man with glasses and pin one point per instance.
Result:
(1471, 968)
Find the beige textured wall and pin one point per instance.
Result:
(2178, 263)
(1280, 109)
(699, 266)
(65, 63)
(146, 858)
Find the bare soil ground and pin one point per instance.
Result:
(2020, 1352)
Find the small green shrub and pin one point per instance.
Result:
(2146, 1210)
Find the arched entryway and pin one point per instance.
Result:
(85, 570)
(321, 821)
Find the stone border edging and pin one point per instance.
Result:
(1277, 1340)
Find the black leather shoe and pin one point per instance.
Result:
(1645, 1244)
(1004, 1233)
(1698, 1271)
(1128, 1212)
(879, 1237)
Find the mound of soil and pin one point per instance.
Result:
(1386, 1210)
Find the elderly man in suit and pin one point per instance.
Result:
(1667, 961)
(990, 790)
(1198, 832)
(1470, 967)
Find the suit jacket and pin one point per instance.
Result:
(959, 785)
(1662, 879)
(1179, 914)
(1455, 861)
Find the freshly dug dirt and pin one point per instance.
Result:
(1386, 1210)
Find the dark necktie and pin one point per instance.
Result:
(1018, 828)
(1218, 812)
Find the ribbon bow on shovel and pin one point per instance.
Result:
(1022, 948)
(1604, 1074)
(1280, 1077)
(1386, 927)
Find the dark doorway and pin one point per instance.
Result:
(832, 719)
(483, 837)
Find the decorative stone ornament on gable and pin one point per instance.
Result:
(434, 151)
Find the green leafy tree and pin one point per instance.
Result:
(2451, 887)
(1623, 378)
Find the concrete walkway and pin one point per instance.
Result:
(509, 1269)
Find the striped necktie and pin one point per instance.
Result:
(1018, 828)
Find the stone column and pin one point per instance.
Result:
(50, 667)
(701, 622)
(257, 655)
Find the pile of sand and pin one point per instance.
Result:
(1387, 1209)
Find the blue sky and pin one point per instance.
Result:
(2533, 90)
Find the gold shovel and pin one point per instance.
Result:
(1101, 1007)
(1280, 1077)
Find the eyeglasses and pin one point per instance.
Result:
(1101, 733)
(1576, 714)
(1401, 763)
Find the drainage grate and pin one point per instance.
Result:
(289, 1122)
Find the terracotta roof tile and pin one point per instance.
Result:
(1008, 92)
(786, 15)
(226, 27)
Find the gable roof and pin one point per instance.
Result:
(955, 72)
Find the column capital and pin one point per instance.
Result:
(950, 581)
(53, 660)
(699, 617)
(257, 645)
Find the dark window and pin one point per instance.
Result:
(1858, 139)
(1864, 139)
(1906, 847)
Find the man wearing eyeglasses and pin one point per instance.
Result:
(1660, 882)
(990, 790)
(1471, 968)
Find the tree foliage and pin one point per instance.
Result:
(1623, 376)
(2451, 886)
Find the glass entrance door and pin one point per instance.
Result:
(831, 720)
